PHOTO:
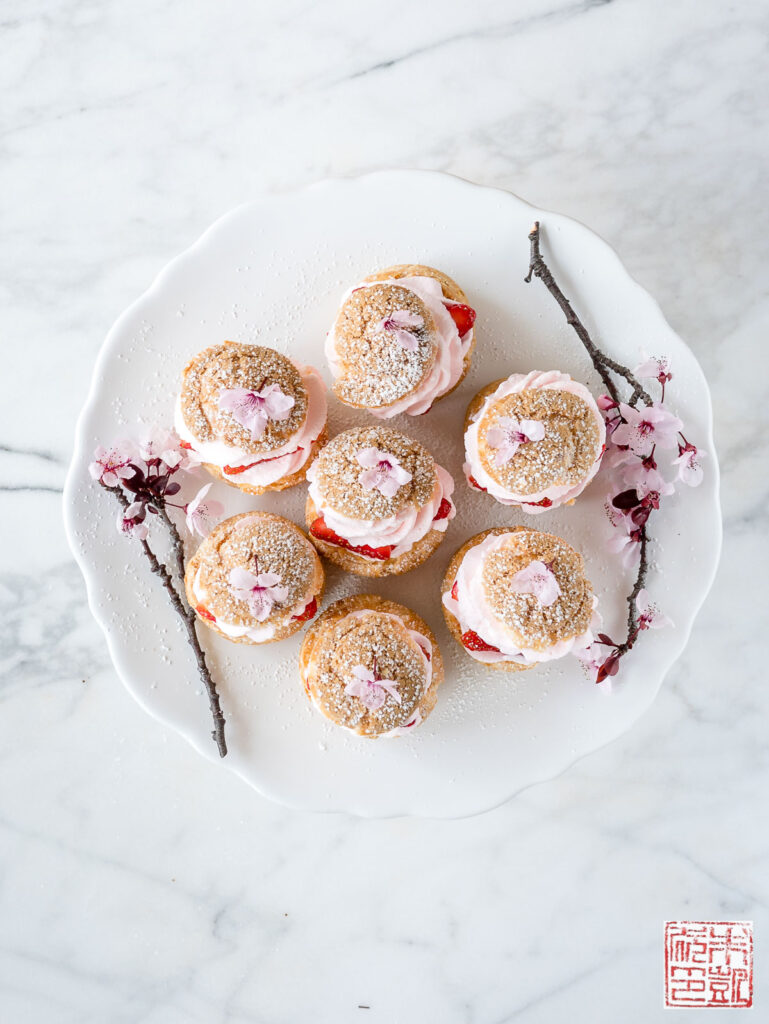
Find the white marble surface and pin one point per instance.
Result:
(141, 884)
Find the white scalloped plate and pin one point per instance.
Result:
(272, 271)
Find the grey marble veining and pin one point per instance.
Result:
(137, 882)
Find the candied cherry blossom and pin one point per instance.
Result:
(539, 580)
(657, 367)
(381, 471)
(131, 521)
(649, 616)
(200, 514)
(647, 426)
(509, 433)
(367, 685)
(689, 464)
(254, 409)
(260, 590)
(401, 324)
(113, 464)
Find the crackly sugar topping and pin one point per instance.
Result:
(337, 472)
(376, 368)
(230, 366)
(535, 625)
(256, 541)
(379, 642)
(563, 457)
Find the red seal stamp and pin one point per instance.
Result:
(708, 963)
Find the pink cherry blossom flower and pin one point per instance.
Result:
(397, 324)
(111, 465)
(644, 477)
(260, 590)
(509, 434)
(650, 617)
(657, 367)
(625, 537)
(689, 464)
(381, 471)
(605, 402)
(254, 409)
(161, 447)
(201, 514)
(131, 521)
(537, 579)
(369, 688)
(645, 427)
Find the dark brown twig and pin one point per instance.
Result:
(602, 363)
(187, 616)
(632, 611)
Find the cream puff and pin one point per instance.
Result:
(533, 440)
(378, 504)
(255, 579)
(254, 417)
(516, 597)
(402, 339)
(371, 666)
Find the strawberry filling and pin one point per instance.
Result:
(444, 510)
(204, 613)
(545, 503)
(234, 470)
(455, 590)
(323, 532)
(462, 315)
(473, 642)
(474, 483)
(185, 444)
(424, 651)
(308, 612)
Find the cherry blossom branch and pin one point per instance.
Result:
(602, 363)
(184, 611)
(632, 612)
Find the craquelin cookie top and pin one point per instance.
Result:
(367, 645)
(536, 626)
(563, 457)
(262, 545)
(346, 472)
(378, 368)
(254, 368)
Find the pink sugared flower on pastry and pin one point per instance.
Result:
(200, 514)
(367, 685)
(254, 409)
(381, 471)
(111, 465)
(509, 434)
(657, 367)
(401, 324)
(646, 426)
(131, 520)
(649, 616)
(537, 579)
(260, 590)
(689, 464)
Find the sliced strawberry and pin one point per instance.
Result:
(322, 531)
(308, 612)
(185, 444)
(473, 642)
(545, 503)
(455, 590)
(462, 315)
(444, 510)
(234, 470)
(204, 613)
(474, 483)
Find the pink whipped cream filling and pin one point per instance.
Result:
(557, 494)
(449, 361)
(426, 649)
(472, 610)
(283, 461)
(401, 531)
